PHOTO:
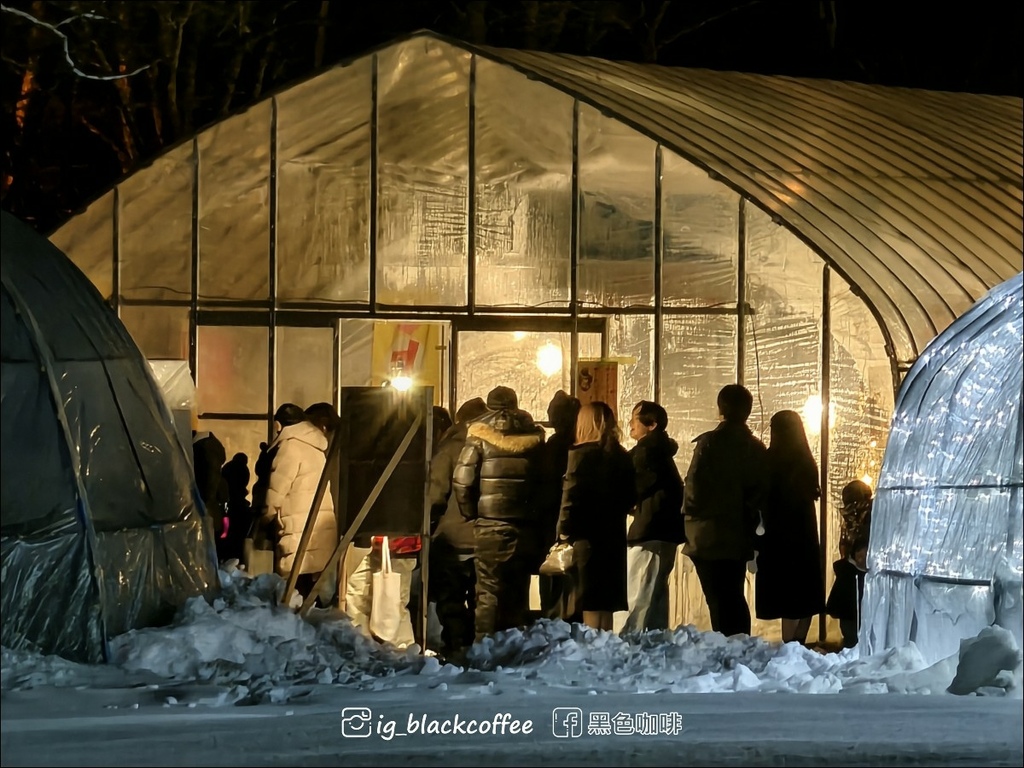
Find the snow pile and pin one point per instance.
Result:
(989, 664)
(247, 641)
(251, 649)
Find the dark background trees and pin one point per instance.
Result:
(93, 90)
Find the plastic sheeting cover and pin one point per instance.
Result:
(947, 526)
(100, 531)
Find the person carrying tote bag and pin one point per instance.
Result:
(387, 611)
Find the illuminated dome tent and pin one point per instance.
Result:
(947, 526)
(99, 532)
(468, 216)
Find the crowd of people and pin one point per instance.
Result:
(503, 492)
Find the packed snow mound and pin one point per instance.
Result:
(246, 639)
(248, 648)
(989, 664)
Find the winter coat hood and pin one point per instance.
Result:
(304, 431)
(515, 442)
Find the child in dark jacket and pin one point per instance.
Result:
(844, 600)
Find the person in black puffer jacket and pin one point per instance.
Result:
(497, 481)
(657, 527)
(452, 552)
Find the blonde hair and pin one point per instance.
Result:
(596, 424)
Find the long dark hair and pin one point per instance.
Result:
(789, 452)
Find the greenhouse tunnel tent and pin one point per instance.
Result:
(482, 216)
(947, 527)
(101, 531)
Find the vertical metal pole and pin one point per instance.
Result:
(574, 249)
(826, 423)
(659, 260)
(193, 310)
(453, 366)
(115, 251)
(741, 292)
(471, 194)
(336, 390)
(374, 192)
(272, 252)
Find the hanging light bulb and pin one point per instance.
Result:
(549, 359)
(811, 414)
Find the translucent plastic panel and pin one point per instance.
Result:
(783, 328)
(239, 436)
(356, 353)
(535, 364)
(700, 218)
(616, 180)
(88, 240)
(234, 207)
(861, 393)
(231, 375)
(523, 189)
(323, 183)
(423, 171)
(161, 333)
(155, 228)
(631, 339)
(305, 365)
(698, 358)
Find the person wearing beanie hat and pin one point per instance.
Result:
(498, 483)
(502, 398)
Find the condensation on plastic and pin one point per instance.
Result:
(783, 327)
(631, 337)
(234, 207)
(155, 229)
(305, 365)
(616, 227)
(489, 358)
(88, 240)
(160, 332)
(949, 506)
(356, 353)
(133, 473)
(523, 190)
(423, 167)
(323, 155)
(701, 237)
(231, 369)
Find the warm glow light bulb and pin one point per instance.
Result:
(549, 359)
(401, 383)
(868, 479)
(811, 414)
(519, 335)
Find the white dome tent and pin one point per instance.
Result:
(101, 530)
(947, 530)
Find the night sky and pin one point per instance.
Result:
(68, 138)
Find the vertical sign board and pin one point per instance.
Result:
(599, 380)
(373, 422)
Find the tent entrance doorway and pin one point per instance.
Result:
(536, 356)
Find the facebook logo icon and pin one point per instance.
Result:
(567, 722)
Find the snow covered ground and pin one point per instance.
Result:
(245, 682)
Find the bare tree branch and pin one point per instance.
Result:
(55, 28)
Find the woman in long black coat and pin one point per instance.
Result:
(790, 585)
(597, 493)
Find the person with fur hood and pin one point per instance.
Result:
(298, 463)
(497, 482)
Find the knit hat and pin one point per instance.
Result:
(502, 398)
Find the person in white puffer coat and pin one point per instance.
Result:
(297, 466)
